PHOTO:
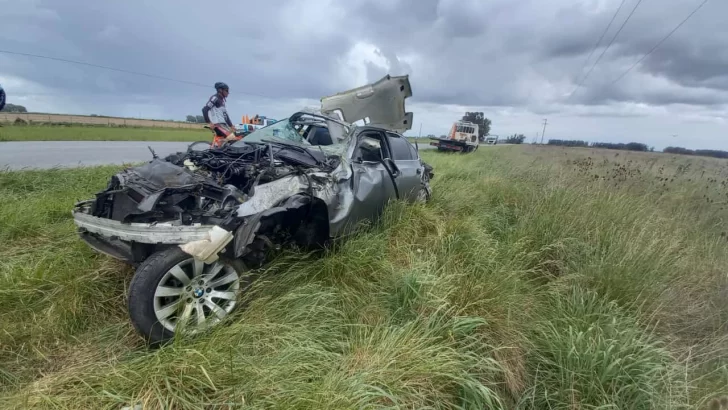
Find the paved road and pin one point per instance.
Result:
(69, 154)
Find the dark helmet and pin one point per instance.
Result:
(220, 85)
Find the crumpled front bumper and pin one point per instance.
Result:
(159, 233)
(125, 240)
(133, 242)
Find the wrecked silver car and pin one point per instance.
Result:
(195, 222)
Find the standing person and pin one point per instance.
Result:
(216, 116)
(2, 97)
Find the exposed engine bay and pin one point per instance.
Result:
(203, 186)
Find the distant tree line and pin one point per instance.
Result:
(636, 146)
(630, 146)
(515, 139)
(700, 152)
(196, 118)
(14, 108)
(569, 143)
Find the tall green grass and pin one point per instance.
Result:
(527, 283)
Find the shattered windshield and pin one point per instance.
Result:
(286, 132)
(281, 130)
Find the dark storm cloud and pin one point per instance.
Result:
(194, 41)
(657, 95)
(523, 53)
(694, 57)
(694, 65)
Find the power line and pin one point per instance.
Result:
(103, 67)
(659, 43)
(605, 50)
(604, 33)
(159, 77)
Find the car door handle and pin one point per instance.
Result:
(419, 171)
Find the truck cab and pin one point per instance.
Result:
(463, 137)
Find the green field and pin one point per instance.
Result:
(537, 278)
(96, 133)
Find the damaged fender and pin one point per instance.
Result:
(267, 196)
(261, 204)
(280, 196)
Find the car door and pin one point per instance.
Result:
(370, 186)
(407, 161)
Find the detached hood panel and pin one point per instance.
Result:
(382, 102)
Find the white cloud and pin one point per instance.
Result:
(354, 66)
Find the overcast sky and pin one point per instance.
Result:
(518, 61)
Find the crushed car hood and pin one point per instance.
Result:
(382, 102)
(205, 186)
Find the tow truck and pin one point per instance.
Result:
(463, 137)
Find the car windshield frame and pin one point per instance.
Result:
(284, 132)
(279, 130)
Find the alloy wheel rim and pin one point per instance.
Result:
(193, 295)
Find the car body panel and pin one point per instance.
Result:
(382, 103)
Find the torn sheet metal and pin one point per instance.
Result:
(208, 248)
(266, 196)
(319, 185)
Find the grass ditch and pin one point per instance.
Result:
(526, 283)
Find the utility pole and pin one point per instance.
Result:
(420, 136)
(544, 129)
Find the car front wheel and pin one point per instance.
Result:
(172, 292)
(423, 195)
